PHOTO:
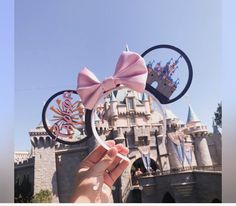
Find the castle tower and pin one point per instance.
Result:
(113, 103)
(199, 133)
(45, 176)
(173, 141)
(106, 104)
(120, 136)
(146, 105)
(179, 144)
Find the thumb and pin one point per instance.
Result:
(105, 162)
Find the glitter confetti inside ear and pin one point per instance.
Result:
(65, 114)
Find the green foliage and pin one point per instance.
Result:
(44, 196)
(218, 115)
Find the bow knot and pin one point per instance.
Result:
(131, 72)
(108, 84)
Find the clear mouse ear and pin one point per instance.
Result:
(169, 72)
(63, 117)
(128, 117)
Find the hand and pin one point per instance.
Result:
(98, 172)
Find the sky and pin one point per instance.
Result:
(54, 39)
(6, 100)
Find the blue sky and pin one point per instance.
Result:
(55, 39)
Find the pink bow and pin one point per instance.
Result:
(131, 72)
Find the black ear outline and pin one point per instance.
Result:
(46, 126)
(158, 95)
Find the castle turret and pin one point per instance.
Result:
(173, 142)
(45, 163)
(179, 143)
(199, 133)
(146, 103)
(106, 104)
(120, 136)
(113, 104)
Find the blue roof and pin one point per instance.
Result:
(112, 99)
(144, 97)
(192, 117)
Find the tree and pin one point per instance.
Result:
(218, 115)
(43, 196)
(23, 190)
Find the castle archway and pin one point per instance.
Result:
(138, 163)
(138, 169)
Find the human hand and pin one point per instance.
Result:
(98, 172)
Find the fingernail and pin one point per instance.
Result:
(112, 152)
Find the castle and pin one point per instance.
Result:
(182, 166)
(161, 78)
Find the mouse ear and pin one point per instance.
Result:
(63, 117)
(170, 72)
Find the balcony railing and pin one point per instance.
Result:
(198, 128)
(179, 170)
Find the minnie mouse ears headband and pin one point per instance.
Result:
(69, 116)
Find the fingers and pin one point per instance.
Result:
(104, 163)
(122, 150)
(100, 159)
(119, 170)
(98, 153)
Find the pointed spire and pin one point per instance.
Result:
(177, 60)
(192, 117)
(144, 97)
(40, 125)
(112, 98)
(126, 47)
(168, 63)
(150, 63)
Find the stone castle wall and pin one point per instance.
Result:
(25, 168)
(67, 163)
(185, 187)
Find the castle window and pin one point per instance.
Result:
(132, 120)
(142, 141)
(154, 84)
(130, 103)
